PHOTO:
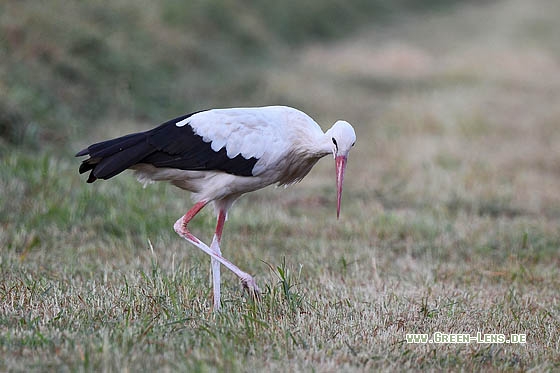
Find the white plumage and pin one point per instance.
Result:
(264, 133)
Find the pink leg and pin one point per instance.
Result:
(188, 217)
(180, 227)
(215, 247)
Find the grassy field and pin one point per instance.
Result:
(450, 216)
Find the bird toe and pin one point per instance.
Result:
(250, 285)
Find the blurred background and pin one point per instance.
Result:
(445, 94)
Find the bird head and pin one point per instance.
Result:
(343, 138)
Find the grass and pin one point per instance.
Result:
(450, 221)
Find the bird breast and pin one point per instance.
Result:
(294, 167)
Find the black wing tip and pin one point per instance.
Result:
(86, 166)
(91, 178)
(82, 152)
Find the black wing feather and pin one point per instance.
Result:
(164, 146)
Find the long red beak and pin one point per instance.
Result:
(340, 163)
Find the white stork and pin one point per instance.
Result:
(221, 154)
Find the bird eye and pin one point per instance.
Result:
(334, 142)
(353, 143)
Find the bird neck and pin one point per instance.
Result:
(320, 147)
(324, 145)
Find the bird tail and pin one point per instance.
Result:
(110, 158)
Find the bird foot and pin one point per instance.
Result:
(250, 285)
